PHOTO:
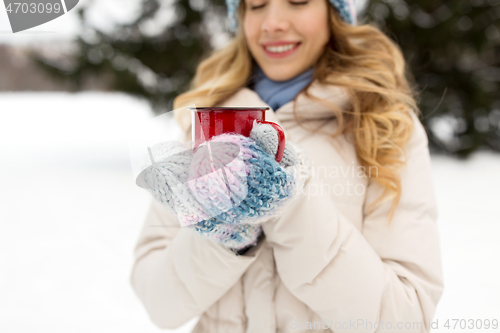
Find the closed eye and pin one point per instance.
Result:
(293, 3)
(257, 7)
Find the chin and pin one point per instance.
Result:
(276, 74)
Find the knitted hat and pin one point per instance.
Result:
(346, 9)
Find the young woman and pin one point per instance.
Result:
(359, 250)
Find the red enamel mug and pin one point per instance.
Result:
(212, 121)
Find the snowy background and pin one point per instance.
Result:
(70, 215)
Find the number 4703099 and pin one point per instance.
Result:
(471, 323)
(33, 8)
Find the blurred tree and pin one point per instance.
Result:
(154, 56)
(452, 48)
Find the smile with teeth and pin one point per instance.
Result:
(281, 48)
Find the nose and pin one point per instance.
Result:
(275, 20)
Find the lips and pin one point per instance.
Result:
(280, 42)
(277, 48)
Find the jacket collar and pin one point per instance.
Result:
(307, 108)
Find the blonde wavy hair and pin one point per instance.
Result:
(361, 59)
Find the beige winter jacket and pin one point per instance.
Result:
(324, 266)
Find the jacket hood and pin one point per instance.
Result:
(307, 108)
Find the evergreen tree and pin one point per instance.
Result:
(452, 48)
(140, 58)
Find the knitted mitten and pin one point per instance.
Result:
(232, 236)
(228, 185)
(253, 187)
(168, 181)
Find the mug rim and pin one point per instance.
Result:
(227, 108)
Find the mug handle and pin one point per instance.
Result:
(281, 138)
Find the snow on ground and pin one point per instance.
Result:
(469, 222)
(70, 214)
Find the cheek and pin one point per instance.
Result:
(251, 28)
(314, 29)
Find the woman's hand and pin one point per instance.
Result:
(168, 181)
(232, 236)
(229, 185)
(247, 185)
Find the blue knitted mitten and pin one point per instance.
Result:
(253, 188)
(225, 192)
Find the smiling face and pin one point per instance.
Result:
(286, 37)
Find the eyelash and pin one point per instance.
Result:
(293, 3)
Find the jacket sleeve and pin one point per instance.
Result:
(378, 275)
(177, 273)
